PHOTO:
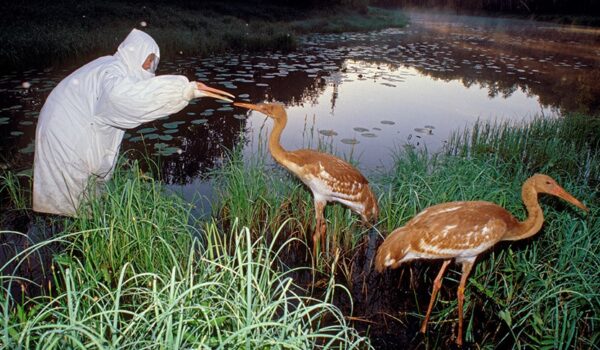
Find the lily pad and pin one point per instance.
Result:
(151, 136)
(350, 141)
(146, 130)
(167, 151)
(173, 125)
(388, 122)
(328, 132)
(171, 131)
(359, 129)
(16, 133)
(4, 120)
(424, 130)
(199, 121)
(165, 137)
(368, 134)
(29, 149)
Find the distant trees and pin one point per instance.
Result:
(537, 7)
(585, 7)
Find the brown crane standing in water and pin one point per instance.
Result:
(462, 231)
(329, 178)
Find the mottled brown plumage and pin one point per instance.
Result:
(462, 231)
(328, 177)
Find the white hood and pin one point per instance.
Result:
(134, 50)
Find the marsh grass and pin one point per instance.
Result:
(40, 33)
(138, 271)
(542, 292)
(137, 274)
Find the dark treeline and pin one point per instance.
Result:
(530, 7)
(281, 8)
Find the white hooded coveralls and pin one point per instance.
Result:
(81, 125)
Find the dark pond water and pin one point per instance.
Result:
(362, 95)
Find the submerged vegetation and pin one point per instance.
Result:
(139, 271)
(40, 32)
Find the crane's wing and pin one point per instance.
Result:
(328, 165)
(461, 225)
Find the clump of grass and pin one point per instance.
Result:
(16, 187)
(137, 274)
(565, 147)
(133, 221)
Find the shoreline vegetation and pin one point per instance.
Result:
(140, 271)
(41, 33)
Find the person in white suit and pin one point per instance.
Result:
(81, 125)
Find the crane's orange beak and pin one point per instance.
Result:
(214, 93)
(258, 108)
(560, 192)
(248, 106)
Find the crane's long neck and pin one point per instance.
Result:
(535, 216)
(274, 140)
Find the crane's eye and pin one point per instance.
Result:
(548, 183)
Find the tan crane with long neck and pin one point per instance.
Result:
(329, 178)
(462, 231)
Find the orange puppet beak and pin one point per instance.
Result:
(214, 93)
(560, 192)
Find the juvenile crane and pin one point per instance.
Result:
(328, 177)
(462, 231)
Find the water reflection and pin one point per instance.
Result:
(359, 94)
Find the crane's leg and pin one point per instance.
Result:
(466, 269)
(436, 286)
(321, 225)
